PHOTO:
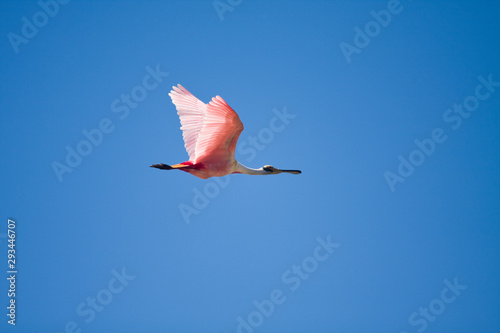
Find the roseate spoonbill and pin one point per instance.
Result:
(210, 132)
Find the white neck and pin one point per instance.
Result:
(249, 171)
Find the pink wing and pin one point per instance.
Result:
(210, 131)
(191, 112)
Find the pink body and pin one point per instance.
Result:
(210, 133)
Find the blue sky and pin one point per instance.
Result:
(390, 109)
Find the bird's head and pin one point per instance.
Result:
(274, 171)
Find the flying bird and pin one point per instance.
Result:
(210, 132)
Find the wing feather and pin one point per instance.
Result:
(191, 113)
(210, 131)
(221, 130)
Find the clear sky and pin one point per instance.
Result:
(390, 109)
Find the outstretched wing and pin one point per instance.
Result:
(191, 112)
(221, 130)
(210, 131)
